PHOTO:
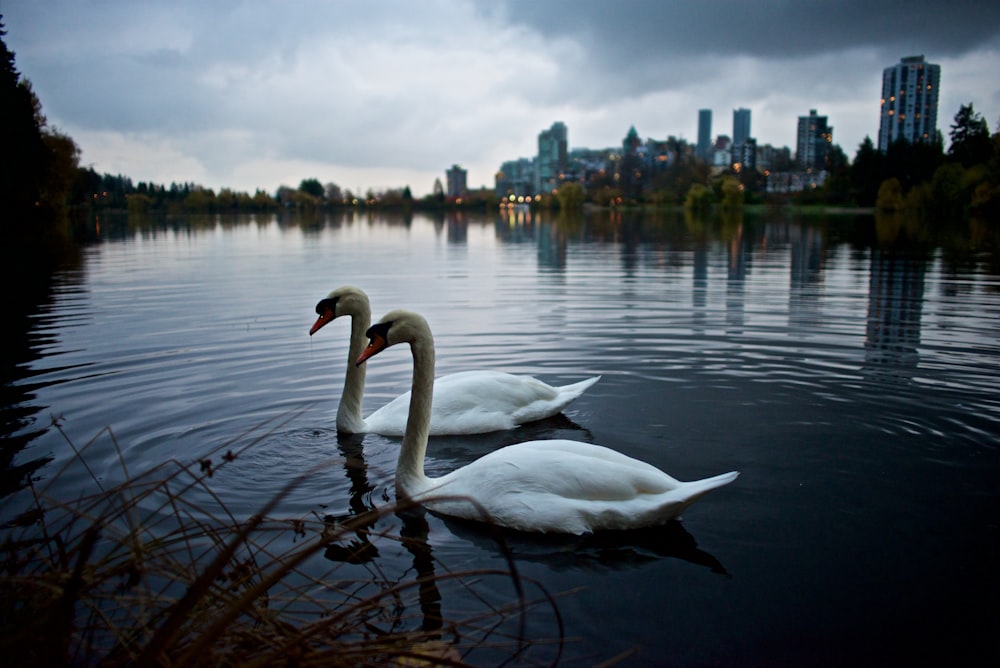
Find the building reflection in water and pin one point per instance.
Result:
(457, 227)
(805, 277)
(896, 276)
(895, 301)
(737, 268)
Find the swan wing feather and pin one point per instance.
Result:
(471, 402)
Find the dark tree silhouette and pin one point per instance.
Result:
(313, 187)
(970, 138)
(24, 156)
(867, 173)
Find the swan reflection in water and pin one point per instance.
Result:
(603, 550)
(362, 515)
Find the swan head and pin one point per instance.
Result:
(395, 327)
(345, 300)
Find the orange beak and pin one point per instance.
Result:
(376, 345)
(324, 318)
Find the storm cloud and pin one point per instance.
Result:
(382, 94)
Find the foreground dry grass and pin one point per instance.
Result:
(146, 572)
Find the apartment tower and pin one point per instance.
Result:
(552, 155)
(704, 148)
(813, 141)
(909, 102)
(741, 126)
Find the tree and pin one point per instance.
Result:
(312, 187)
(837, 187)
(333, 193)
(571, 196)
(61, 173)
(731, 194)
(437, 195)
(25, 156)
(673, 183)
(970, 138)
(912, 163)
(947, 192)
(866, 173)
(890, 195)
(699, 198)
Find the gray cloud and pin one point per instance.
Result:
(775, 29)
(364, 92)
(630, 46)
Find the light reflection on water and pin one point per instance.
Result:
(854, 385)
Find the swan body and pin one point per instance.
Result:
(469, 402)
(558, 486)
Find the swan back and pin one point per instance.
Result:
(562, 486)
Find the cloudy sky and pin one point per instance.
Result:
(385, 93)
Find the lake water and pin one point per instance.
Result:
(849, 370)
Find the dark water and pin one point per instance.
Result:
(849, 370)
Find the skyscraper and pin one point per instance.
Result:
(813, 141)
(456, 181)
(704, 148)
(909, 102)
(552, 152)
(741, 126)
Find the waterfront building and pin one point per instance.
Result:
(813, 141)
(456, 178)
(552, 152)
(705, 134)
(516, 177)
(741, 126)
(909, 102)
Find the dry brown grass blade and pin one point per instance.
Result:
(147, 572)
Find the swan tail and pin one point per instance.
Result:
(570, 392)
(552, 400)
(695, 489)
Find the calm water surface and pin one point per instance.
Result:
(849, 370)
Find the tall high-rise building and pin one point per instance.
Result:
(552, 153)
(456, 181)
(909, 102)
(704, 148)
(741, 126)
(813, 141)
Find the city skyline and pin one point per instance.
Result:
(384, 95)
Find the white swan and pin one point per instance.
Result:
(550, 486)
(469, 402)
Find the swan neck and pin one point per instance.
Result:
(410, 467)
(349, 417)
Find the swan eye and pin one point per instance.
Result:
(326, 304)
(380, 329)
